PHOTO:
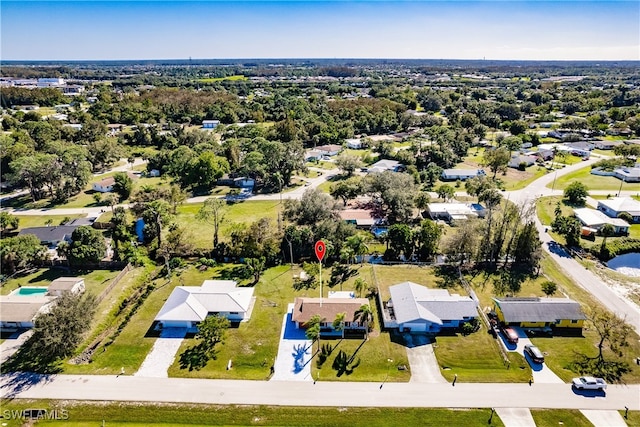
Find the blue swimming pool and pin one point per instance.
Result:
(29, 290)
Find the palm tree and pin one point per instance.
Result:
(359, 286)
(358, 245)
(313, 329)
(338, 323)
(364, 315)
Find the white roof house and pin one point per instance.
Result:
(354, 143)
(384, 165)
(615, 206)
(461, 174)
(455, 211)
(595, 219)
(416, 308)
(628, 174)
(189, 305)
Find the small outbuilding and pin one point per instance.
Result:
(75, 285)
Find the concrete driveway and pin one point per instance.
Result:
(422, 360)
(293, 362)
(163, 353)
(12, 344)
(604, 418)
(516, 417)
(541, 372)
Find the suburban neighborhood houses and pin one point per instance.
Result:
(325, 233)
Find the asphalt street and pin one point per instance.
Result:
(303, 393)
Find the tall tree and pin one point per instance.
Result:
(123, 185)
(8, 221)
(427, 238)
(576, 193)
(364, 315)
(87, 246)
(20, 252)
(212, 331)
(213, 212)
(496, 160)
(338, 323)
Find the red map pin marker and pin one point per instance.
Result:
(320, 249)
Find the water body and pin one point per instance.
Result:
(627, 264)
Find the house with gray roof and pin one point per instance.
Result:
(187, 306)
(50, 236)
(415, 308)
(539, 312)
(19, 312)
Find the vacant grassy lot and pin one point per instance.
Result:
(243, 212)
(85, 414)
(559, 417)
(95, 281)
(593, 182)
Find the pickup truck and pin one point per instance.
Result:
(589, 383)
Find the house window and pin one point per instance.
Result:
(347, 324)
(574, 321)
(234, 312)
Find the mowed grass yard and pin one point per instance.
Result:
(253, 346)
(560, 417)
(88, 414)
(593, 182)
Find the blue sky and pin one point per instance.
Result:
(80, 30)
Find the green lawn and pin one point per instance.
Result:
(95, 281)
(560, 349)
(243, 212)
(476, 358)
(130, 348)
(559, 417)
(546, 206)
(593, 182)
(371, 357)
(253, 345)
(89, 414)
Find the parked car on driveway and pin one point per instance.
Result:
(510, 334)
(589, 383)
(534, 353)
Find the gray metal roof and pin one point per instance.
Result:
(415, 302)
(539, 309)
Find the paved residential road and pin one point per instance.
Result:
(303, 393)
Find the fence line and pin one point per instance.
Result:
(114, 282)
